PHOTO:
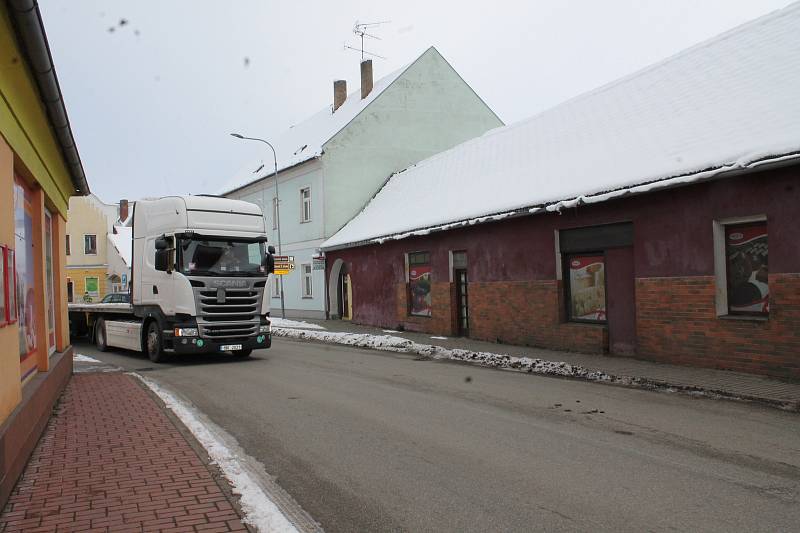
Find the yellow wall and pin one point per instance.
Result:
(78, 275)
(29, 149)
(24, 123)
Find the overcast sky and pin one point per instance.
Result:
(153, 99)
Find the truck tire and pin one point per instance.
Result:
(154, 344)
(100, 337)
(242, 354)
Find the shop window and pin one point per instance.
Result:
(586, 287)
(308, 281)
(419, 284)
(742, 267)
(90, 244)
(68, 245)
(305, 197)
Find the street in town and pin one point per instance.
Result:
(366, 440)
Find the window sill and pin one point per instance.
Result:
(307, 297)
(745, 318)
(305, 221)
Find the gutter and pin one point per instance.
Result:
(716, 173)
(27, 21)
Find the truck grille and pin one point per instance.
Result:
(234, 316)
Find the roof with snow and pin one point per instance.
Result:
(303, 142)
(123, 242)
(728, 103)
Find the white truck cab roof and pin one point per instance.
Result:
(203, 214)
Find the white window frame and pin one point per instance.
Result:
(305, 205)
(274, 212)
(720, 268)
(307, 276)
(95, 243)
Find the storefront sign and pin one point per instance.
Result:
(318, 263)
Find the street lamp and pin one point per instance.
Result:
(277, 206)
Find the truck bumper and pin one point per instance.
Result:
(194, 345)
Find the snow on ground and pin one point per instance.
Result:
(399, 344)
(258, 509)
(294, 324)
(80, 358)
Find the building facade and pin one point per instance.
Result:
(653, 218)
(333, 163)
(39, 171)
(89, 277)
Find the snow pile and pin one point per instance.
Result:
(80, 358)
(295, 324)
(398, 344)
(728, 103)
(259, 510)
(122, 240)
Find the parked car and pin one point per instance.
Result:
(116, 298)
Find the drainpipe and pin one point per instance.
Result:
(27, 21)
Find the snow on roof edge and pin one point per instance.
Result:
(725, 171)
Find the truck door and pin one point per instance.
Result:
(157, 285)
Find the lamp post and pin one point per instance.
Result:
(277, 206)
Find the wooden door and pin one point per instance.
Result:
(620, 297)
(462, 301)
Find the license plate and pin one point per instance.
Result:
(230, 347)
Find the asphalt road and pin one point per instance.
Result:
(375, 441)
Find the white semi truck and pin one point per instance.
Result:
(200, 282)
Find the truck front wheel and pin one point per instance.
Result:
(154, 344)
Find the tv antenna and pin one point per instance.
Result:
(362, 29)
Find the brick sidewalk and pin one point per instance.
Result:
(112, 460)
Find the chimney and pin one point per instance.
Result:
(339, 93)
(366, 78)
(123, 210)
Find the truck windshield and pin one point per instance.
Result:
(201, 257)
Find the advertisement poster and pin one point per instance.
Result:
(419, 278)
(587, 287)
(26, 304)
(746, 256)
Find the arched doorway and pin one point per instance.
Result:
(340, 292)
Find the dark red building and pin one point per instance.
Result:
(655, 217)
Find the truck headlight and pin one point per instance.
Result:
(265, 328)
(186, 332)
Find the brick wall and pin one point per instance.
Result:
(529, 313)
(676, 322)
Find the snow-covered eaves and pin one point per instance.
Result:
(728, 104)
(304, 141)
(122, 241)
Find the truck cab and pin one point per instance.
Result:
(200, 274)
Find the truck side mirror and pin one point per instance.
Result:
(269, 261)
(161, 259)
(271, 249)
(161, 243)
